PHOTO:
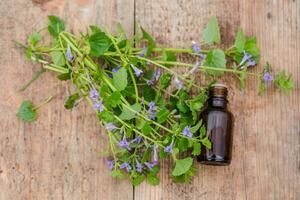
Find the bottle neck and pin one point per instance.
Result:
(217, 102)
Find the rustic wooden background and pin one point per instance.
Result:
(58, 156)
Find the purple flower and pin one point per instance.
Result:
(150, 82)
(187, 132)
(69, 54)
(138, 139)
(110, 127)
(196, 47)
(179, 83)
(267, 76)
(110, 164)
(157, 74)
(124, 143)
(115, 69)
(94, 94)
(202, 57)
(169, 148)
(139, 167)
(150, 165)
(142, 54)
(151, 111)
(98, 106)
(126, 166)
(152, 106)
(152, 115)
(195, 68)
(155, 154)
(251, 62)
(155, 77)
(245, 58)
(136, 70)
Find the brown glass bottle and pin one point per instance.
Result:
(218, 122)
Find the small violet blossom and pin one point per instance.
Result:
(179, 83)
(267, 76)
(155, 77)
(115, 69)
(69, 54)
(251, 62)
(155, 154)
(245, 58)
(138, 139)
(150, 165)
(151, 111)
(126, 166)
(187, 132)
(110, 127)
(169, 148)
(138, 167)
(124, 143)
(94, 94)
(195, 68)
(136, 70)
(98, 106)
(196, 47)
(142, 54)
(110, 164)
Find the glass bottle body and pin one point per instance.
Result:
(218, 122)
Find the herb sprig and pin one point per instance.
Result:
(130, 90)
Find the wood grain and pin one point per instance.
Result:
(266, 157)
(58, 156)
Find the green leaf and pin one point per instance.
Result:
(211, 33)
(152, 180)
(58, 58)
(162, 115)
(27, 112)
(64, 77)
(252, 48)
(151, 41)
(71, 101)
(146, 128)
(182, 144)
(182, 166)
(168, 56)
(206, 142)
(114, 99)
(195, 128)
(55, 25)
(106, 116)
(196, 149)
(283, 82)
(120, 79)
(165, 80)
(99, 43)
(202, 132)
(128, 114)
(138, 180)
(240, 40)
(34, 38)
(216, 58)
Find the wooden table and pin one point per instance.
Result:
(58, 156)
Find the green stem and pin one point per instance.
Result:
(43, 103)
(34, 78)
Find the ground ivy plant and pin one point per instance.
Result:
(146, 106)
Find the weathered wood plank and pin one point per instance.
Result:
(266, 157)
(58, 156)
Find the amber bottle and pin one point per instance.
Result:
(219, 123)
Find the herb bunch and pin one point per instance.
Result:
(129, 88)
